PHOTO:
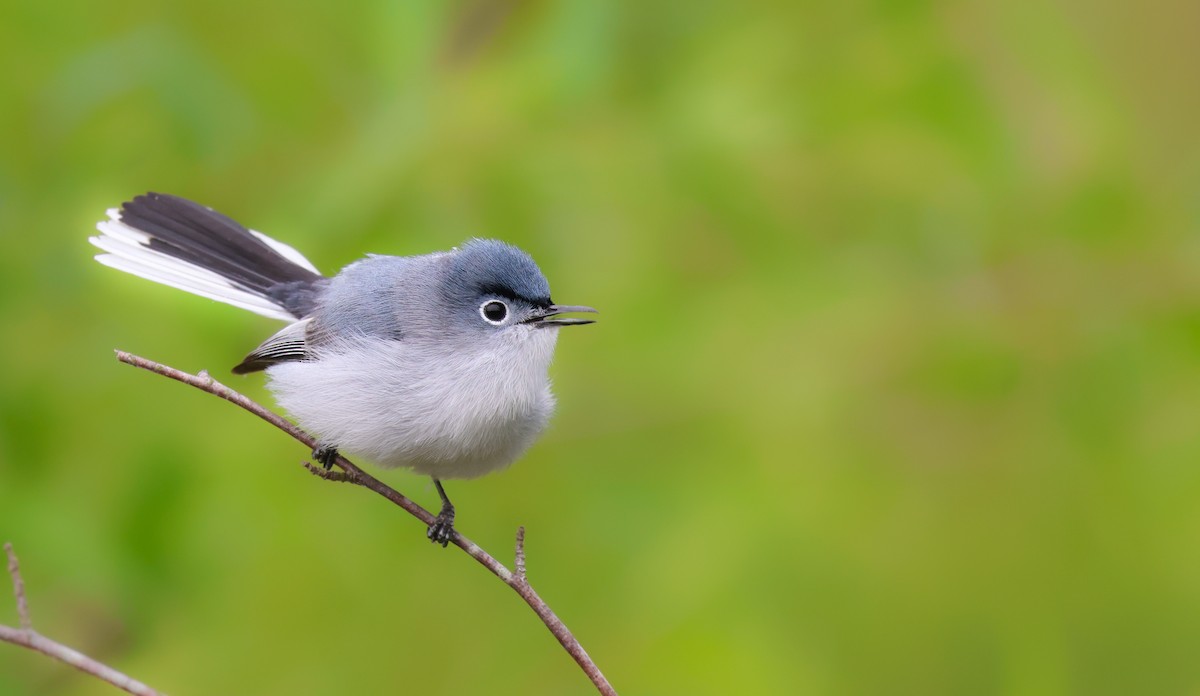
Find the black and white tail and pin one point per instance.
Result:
(185, 245)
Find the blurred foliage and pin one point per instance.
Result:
(895, 390)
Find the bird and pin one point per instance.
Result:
(437, 363)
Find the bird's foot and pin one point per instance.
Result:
(326, 455)
(442, 529)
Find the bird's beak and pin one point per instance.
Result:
(548, 316)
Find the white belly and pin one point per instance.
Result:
(402, 404)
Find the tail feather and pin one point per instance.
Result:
(286, 252)
(182, 244)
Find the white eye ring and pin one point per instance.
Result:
(493, 312)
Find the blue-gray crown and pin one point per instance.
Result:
(491, 267)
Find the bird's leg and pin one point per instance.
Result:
(442, 529)
(325, 454)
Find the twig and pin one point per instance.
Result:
(14, 569)
(519, 557)
(328, 474)
(26, 637)
(352, 474)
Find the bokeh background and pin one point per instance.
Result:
(895, 390)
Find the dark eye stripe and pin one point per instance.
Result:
(508, 294)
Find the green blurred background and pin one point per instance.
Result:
(895, 390)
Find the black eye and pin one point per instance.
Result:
(494, 311)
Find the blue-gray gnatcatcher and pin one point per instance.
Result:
(436, 362)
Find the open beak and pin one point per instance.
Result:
(548, 316)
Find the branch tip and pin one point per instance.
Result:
(519, 561)
(328, 474)
(14, 569)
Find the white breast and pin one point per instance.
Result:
(446, 414)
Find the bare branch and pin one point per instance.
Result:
(26, 637)
(14, 569)
(520, 555)
(352, 474)
(328, 474)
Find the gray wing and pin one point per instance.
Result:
(290, 343)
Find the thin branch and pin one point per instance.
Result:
(519, 560)
(14, 569)
(328, 474)
(353, 474)
(26, 637)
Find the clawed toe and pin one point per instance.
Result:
(326, 455)
(442, 529)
